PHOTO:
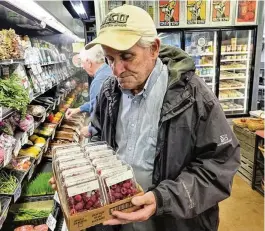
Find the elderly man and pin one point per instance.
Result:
(164, 121)
(93, 62)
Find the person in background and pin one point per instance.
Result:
(93, 62)
(165, 122)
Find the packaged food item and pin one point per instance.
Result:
(97, 161)
(100, 153)
(95, 146)
(120, 186)
(66, 148)
(20, 163)
(79, 179)
(107, 165)
(223, 48)
(85, 196)
(73, 164)
(76, 171)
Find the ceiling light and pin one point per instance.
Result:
(32, 8)
(79, 8)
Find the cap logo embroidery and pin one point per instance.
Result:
(115, 19)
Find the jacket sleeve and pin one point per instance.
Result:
(207, 179)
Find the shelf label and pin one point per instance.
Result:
(24, 138)
(3, 217)
(56, 198)
(40, 157)
(43, 118)
(17, 193)
(17, 147)
(31, 130)
(53, 133)
(7, 156)
(31, 171)
(51, 222)
(46, 145)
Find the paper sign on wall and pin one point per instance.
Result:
(196, 12)
(169, 13)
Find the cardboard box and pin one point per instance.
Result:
(90, 218)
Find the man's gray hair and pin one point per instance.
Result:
(146, 41)
(95, 54)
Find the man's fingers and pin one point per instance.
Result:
(139, 215)
(146, 199)
(115, 222)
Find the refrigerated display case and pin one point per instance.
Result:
(202, 47)
(170, 38)
(235, 70)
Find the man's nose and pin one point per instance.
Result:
(118, 68)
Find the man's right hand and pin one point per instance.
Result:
(71, 111)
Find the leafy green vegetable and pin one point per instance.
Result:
(8, 183)
(39, 186)
(28, 214)
(14, 95)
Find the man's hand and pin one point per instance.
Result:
(149, 207)
(71, 111)
(53, 183)
(84, 132)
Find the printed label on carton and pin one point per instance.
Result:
(116, 163)
(100, 154)
(104, 159)
(68, 158)
(82, 188)
(110, 171)
(67, 149)
(119, 178)
(74, 180)
(75, 163)
(77, 171)
(96, 147)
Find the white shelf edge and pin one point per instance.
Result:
(234, 52)
(243, 77)
(235, 109)
(231, 98)
(231, 88)
(262, 87)
(205, 76)
(204, 65)
(231, 69)
(233, 60)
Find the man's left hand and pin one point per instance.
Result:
(149, 207)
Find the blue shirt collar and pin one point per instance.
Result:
(101, 68)
(149, 82)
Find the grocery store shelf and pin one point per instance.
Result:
(234, 53)
(225, 78)
(233, 68)
(262, 87)
(6, 112)
(202, 54)
(11, 61)
(231, 98)
(234, 109)
(233, 60)
(204, 65)
(231, 88)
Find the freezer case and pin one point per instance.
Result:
(170, 38)
(202, 47)
(235, 70)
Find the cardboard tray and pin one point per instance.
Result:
(83, 220)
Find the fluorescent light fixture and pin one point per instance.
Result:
(79, 8)
(35, 10)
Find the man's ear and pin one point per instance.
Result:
(155, 48)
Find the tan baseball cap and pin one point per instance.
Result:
(123, 27)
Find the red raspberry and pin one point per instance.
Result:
(89, 204)
(72, 211)
(113, 186)
(97, 204)
(93, 198)
(117, 195)
(134, 191)
(129, 191)
(78, 198)
(118, 189)
(124, 191)
(71, 201)
(126, 185)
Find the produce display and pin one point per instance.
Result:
(39, 186)
(32, 151)
(230, 94)
(231, 83)
(233, 65)
(37, 140)
(10, 45)
(231, 105)
(8, 183)
(228, 74)
(14, 95)
(92, 176)
(24, 214)
(252, 124)
(20, 163)
(43, 227)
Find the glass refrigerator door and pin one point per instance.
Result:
(170, 38)
(202, 47)
(235, 67)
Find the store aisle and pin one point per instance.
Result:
(244, 210)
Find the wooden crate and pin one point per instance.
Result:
(247, 151)
(243, 134)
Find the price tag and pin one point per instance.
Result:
(43, 118)
(31, 171)
(31, 130)
(7, 156)
(64, 228)
(40, 157)
(51, 222)
(59, 100)
(56, 198)
(39, 68)
(24, 139)
(17, 147)
(46, 145)
(17, 193)
(3, 217)
(54, 105)
(53, 133)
